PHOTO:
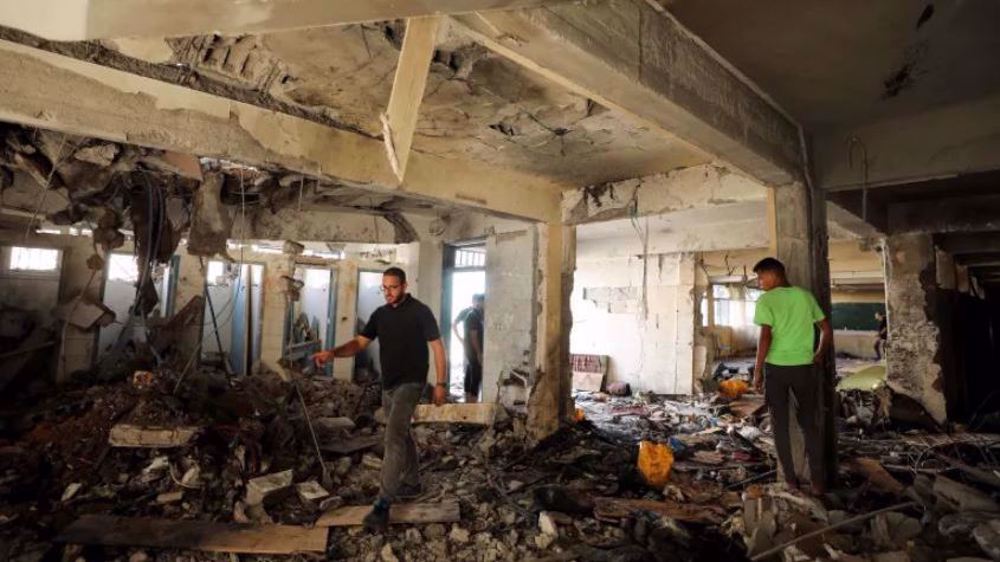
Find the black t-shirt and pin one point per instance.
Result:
(403, 332)
(472, 320)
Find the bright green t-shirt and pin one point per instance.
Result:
(791, 312)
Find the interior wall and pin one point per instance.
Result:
(651, 345)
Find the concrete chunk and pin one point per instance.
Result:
(262, 486)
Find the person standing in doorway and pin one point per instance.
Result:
(883, 335)
(405, 328)
(472, 325)
(788, 362)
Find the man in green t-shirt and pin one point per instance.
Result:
(787, 360)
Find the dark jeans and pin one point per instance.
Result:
(805, 382)
(400, 464)
(879, 349)
(473, 376)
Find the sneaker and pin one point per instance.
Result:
(377, 520)
(407, 491)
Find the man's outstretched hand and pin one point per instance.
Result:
(321, 358)
(440, 395)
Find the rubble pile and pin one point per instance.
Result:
(218, 451)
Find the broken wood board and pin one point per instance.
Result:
(589, 382)
(613, 509)
(195, 535)
(126, 435)
(413, 513)
(748, 405)
(480, 414)
(348, 446)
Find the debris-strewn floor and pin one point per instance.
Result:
(576, 496)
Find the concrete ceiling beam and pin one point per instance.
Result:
(954, 214)
(940, 143)
(50, 91)
(400, 119)
(961, 243)
(991, 259)
(625, 54)
(79, 20)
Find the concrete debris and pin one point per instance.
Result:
(170, 497)
(956, 496)
(128, 435)
(71, 491)
(99, 154)
(311, 491)
(259, 488)
(547, 524)
(211, 222)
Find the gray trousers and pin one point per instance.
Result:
(805, 382)
(400, 463)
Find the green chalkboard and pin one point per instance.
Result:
(856, 315)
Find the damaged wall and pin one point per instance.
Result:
(648, 335)
(914, 365)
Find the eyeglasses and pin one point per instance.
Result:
(388, 288)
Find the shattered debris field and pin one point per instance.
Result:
(146, 469)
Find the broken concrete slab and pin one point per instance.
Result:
(211, 223)
(195, 535)
(480, 414)
(414, 513)
(259, 488)
(127, 435)
(170, 497)
(311, 491)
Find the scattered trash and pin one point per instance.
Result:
(655, 460)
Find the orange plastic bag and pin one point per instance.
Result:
(579, 416)
(655, 461)
(733, 389)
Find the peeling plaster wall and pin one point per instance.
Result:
(914, 362)
(652, 351)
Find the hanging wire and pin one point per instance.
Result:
(45, 188)
(855, 143)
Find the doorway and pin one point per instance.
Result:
(367, 364)
(464, 277)
(235, 293)
(121, 276)
(312, 317)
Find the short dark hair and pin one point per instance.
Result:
(395, 272)
(769, 264)
(479, 297)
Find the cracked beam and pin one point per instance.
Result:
(626, 55)
(42, 89)
(78, 20)
(400, 119)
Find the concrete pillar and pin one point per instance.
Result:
(799, 239)
(550, 401)
(78, 346)
(429, 270)
(511, 342)
(190, 284)
(347, 315)
(273, 311)
(913, 360)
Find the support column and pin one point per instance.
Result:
(550, 401)
(800, 242)
(190, 284)
(913, 361)
(77, 350)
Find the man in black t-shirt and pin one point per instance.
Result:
(472, 322)
(404, 327)
(883, 335)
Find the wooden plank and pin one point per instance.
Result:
(126, 435)
(413, 513)
(590, 382)
(195, 535)
(875, 473)
(481, 414)
(400, 119)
